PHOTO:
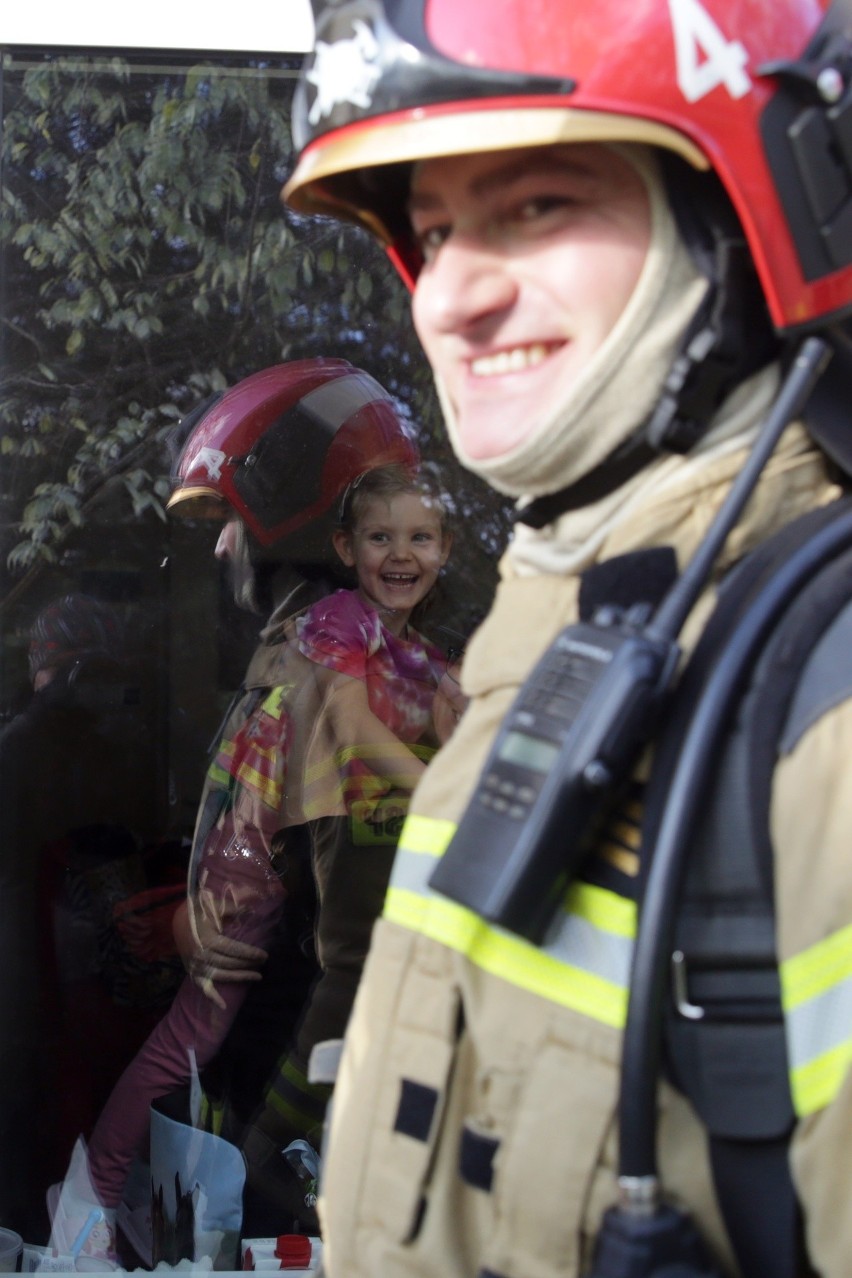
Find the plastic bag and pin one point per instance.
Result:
(197, 1182)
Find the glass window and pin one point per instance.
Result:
(147, 265)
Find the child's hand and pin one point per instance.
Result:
(209, 956)
(448, 703)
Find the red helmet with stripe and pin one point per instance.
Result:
(759, 93)
(280, 447)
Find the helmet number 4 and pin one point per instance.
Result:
(705, 59)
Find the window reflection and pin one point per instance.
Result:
(146, 264)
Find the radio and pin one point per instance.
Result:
(574, 729)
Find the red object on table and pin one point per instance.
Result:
(294, 1251)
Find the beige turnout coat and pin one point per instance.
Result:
(473, 1125)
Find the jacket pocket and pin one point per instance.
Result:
(544, 1166)
(390, 1097)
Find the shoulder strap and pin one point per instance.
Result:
(724, 1039)
(723, 1026)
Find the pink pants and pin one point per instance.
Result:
(162, 1064)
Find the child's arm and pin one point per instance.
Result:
(449, 703)
(208, 955)
(354, 726)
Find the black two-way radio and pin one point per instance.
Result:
(579, 723)
(567, 740)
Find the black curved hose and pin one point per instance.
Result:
(642, 1036)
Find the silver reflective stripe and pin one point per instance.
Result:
(411, 871)
(573, 939)
(819, 1025)
(335, 401)
(578, 942)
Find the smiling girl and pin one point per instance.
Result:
(380, 683)
(382, 674)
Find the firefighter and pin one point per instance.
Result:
(277, 455)
(617, 221)
(270, 459)
(274, 458)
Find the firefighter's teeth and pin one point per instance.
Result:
(513, 361)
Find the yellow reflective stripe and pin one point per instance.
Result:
(274, 703)
(295, 1099)
(211, 1115)
(319, 771)
(605, 909)
(273, 752)
(584, 963)
(508, 957)
(817, 969)
(221, 775)
(364, 753)
(815, 1085)
(427, 834)
(262, 785)
(429, 837)
(367, 752)
(816, 989)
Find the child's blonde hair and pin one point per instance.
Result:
(386, 482)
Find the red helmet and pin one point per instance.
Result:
(757, 91)
(280, 447)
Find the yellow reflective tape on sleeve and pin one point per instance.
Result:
(816, 990)
(264, 754)
(583, 964)
(816, 1084)
(364, 753)
(427, 834)
(273, 704)
(817, 969)
(219, 776)
(268, 789)
(220, 773)
(605, 909)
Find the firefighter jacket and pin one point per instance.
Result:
(286, 763)
(473, 1127)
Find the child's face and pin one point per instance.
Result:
(397, 549)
